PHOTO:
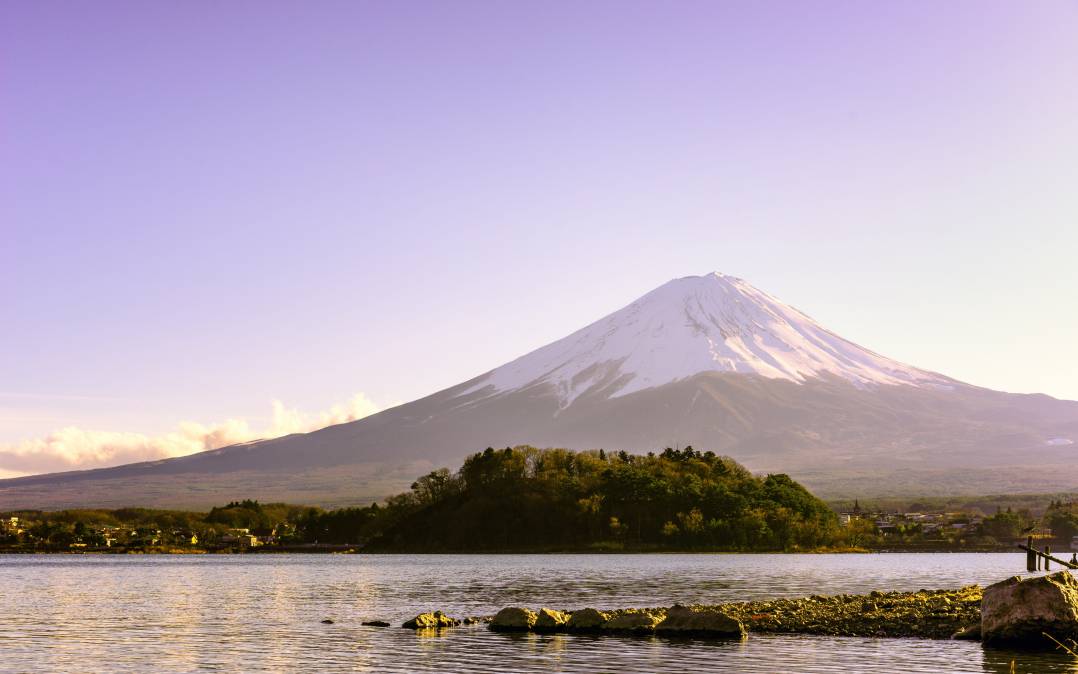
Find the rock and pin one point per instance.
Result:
(1018, 611)
(327, 621)
(550, 620)
(513, 619)
(586, 619)
(376, 623)
(705, 622)
(968, 633)
(634, 620)
(430, 621)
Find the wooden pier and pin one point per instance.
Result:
(1035, 558)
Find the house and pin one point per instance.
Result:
(243, 540)
(185, 537)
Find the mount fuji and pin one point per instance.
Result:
(708, 360)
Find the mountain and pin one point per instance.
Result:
(708, 360)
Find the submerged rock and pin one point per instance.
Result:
(703, 621)
(634, 620)
(376, 623)
(327, 621)
(968, 633)
(513, 618)
(586, 619)
(433, 620)
(550, 620)
(1019, 611)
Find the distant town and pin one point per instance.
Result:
(244, 526)
(960, 530)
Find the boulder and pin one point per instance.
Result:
(430, 621)
(586, 619)
(376, 623)
(513, 619)
(705, 622)
(1019, 611)
(550, 620)
(634, 620)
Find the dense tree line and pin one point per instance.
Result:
(534, 499)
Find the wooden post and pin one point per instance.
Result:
(1046, 554)
(1047, 562)
(1031, 557)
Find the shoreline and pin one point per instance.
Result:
(924, 614)
(337, 549)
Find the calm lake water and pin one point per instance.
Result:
(263, 612)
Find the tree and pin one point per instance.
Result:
(1064, 524)
(1002, 526)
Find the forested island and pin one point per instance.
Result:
(525, 499)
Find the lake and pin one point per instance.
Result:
(68, 613)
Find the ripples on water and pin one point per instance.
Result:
(263, 612)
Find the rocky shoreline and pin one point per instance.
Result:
(1039, 612)
(929, 614)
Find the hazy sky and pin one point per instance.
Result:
(205, 207)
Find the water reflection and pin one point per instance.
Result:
(264, 613)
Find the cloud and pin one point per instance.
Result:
(75, 448)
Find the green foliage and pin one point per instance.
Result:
(1063, 522)
(261, 519)
(1005, 525)
(530, 499)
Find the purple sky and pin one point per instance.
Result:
(208, 206)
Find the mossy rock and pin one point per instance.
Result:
(586, 620)
(704, 622)
(551, 621)
(634, 620)
(513, 618)
(435, 620)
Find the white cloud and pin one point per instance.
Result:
(75, 448)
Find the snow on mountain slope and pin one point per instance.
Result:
(711, 323)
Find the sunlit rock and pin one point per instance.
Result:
(431, 620)
(1020, 611)
(513, 618)
(550, 620)
(634, 620)
(704, 621)
(587, 619)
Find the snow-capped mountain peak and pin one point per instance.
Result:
(710, 323)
